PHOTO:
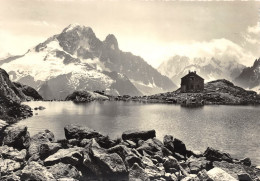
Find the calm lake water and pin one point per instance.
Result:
(234, 129)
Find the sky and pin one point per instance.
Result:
(155, 30)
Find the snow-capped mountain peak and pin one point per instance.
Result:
(76, 59)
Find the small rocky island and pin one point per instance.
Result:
(86, 154)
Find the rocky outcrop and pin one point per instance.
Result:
(11, 96)
(28, 91)
(85, 96)
(221, 92)
(16, 136)
(81, 157)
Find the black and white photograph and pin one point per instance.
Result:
(138, 90)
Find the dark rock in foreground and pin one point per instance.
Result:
(11, 96)
(88, 155)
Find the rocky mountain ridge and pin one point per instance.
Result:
(250, 77)
(76, 59)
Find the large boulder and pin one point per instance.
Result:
(17, 137)
(216, 155)
(152, 170)
(43, 136)
(197, 164)
(170, 162)
(246, 161)
(43, 144)
(102, 163)
(73, 131)
(217, 174)
(8, 166)
(191, 177)
(137, 173)
(35, 171)
(122, 150)
(12, 153)
(235, 169)
(174, 145)
(61, 170)
(151, 146)
(179, 147)
(138, 135)
(73, 156)
(168, 142)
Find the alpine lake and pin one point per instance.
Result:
(233, 129)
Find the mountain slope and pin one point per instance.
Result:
(76, 59)
(208, 68)
(250, 77)
(10, 100)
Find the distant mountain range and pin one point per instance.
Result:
(76, 59)
(208, 68)
(250, 77)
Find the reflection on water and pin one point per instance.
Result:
(234, 129)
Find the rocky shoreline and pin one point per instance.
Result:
(86, 154)
(219, 92)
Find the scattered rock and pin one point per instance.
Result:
(197, 164)
(78, 132)
(138, 135)
(170, 162)
(101, 158)
(61, 170)
(39, 108)
(216, 155)
(12, 153)
(122, 150)
(35, 171)
(191, 177)
(137, 173)
(246, 161)
(17, 137)
(45, 136)
(7, 166)
(203, 175)
(179, 147)
(43, 144)
(244, 177)
(234, 169)
(151, 147)
(73, 156)
(168, 142)
(218, 174)
(102, 163)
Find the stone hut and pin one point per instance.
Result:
(192, 82)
